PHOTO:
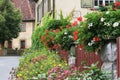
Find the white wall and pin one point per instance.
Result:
(68, 5)
(24, 36)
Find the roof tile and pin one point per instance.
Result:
(27, 8)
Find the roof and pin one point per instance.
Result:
(27, 8)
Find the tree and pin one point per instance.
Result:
(10, 19)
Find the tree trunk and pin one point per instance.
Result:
(3, 51)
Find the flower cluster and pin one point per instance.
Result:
(59, 73)
(98, 27)
(38, 58)
(69, 36)
(48, 38)
(75, 35)
(117, 5)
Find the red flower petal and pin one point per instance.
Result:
(75, 37)
(96, 39)
(80, 47)
(57, 30)
(75, 23)
(79, 18)
(75, 32)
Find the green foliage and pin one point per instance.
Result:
(54, 24)
(94, 73)
(99, 27)
(65, 38)
(39, 30)
(48, 25)
(103, 8)
(10, 20)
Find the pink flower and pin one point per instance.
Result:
(67, 72)
(74, 68)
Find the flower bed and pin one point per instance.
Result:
(38, 62)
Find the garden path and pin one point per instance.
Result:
(6, 64)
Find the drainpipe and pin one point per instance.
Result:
(53, 8)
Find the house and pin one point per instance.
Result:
(81, 7)
(27, 8)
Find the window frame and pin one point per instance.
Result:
(23, 27)
(90, 5)
(22, 46)
(9, 44)
(103, 3)
(43, 7)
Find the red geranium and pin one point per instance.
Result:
(75, 32)
(75, 37)
(68, 26)
(79, 18)
(116, 4)
(80, 47)
(57, 30)
(75, 23)
(96, 39)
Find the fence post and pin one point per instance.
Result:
(118, 57)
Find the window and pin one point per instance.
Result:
(9, 44)
(95, 3)
(23, 27)
(86, 3)
(47, 6)
(22, 44)
(102, 2)
(42, 9)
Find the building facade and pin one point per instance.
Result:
(80, 7)
(27, 8)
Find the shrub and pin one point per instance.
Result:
(48, 25)
(98, 27)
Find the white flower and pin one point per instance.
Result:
(89, 78)
(107, 12)
(102, 19)
(89, 44)
(106, 24)
(115, 24)
(70, 36)
(89, 25)
(65, 33)
(92, 42)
